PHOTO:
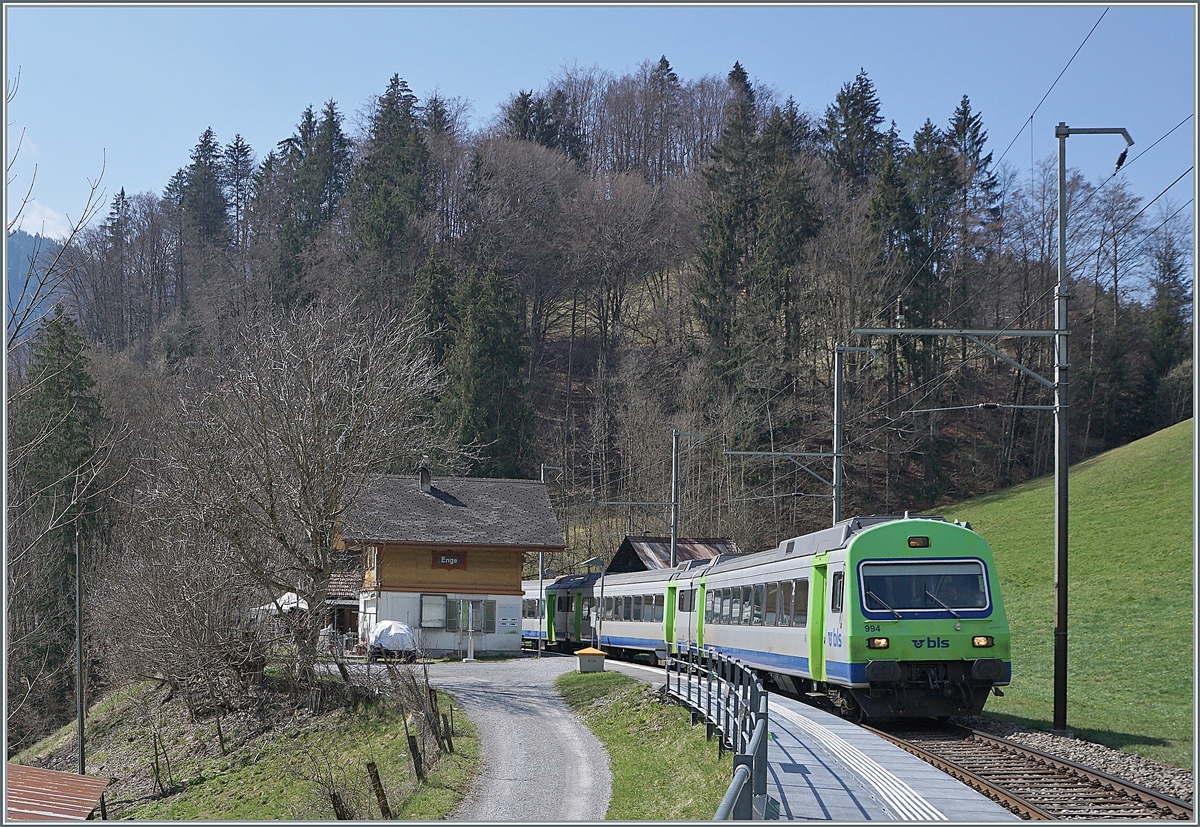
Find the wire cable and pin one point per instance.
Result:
(1051, 89)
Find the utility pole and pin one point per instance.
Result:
(79, 681)
(674, 497)
(1060, 386)
(542, 571)
(1062, 434)
(839, 422)
(675, 434)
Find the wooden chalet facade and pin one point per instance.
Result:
(444, 556)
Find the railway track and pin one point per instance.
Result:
(1030, 783)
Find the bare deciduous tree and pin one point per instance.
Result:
(279, 434)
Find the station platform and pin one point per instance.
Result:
(824, 768)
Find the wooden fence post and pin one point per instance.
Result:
(384, 810)
(449, 732)
(416, 757)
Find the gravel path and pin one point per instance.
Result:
(521, 721)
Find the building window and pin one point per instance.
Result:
(433, 611)
(471, 615)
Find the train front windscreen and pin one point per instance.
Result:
(924, 586)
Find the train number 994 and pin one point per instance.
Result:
(872, 627)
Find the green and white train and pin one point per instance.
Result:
(882, 616)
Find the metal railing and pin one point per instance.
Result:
(731, 701)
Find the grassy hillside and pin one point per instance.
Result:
(270, 760)
(1130, 576)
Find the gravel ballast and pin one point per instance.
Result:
(1172, 781)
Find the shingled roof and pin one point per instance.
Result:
(455, 510)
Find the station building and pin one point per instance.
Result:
(443, 555)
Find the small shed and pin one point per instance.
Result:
(36, 794)
(649, 553)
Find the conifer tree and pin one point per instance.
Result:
(1170, 328)
(389, 182)
(486, 402)
(309, 176)
(54, 425)
(205, 207)
(237, 172)
(435, 292)
(851, 133)
(732, 177)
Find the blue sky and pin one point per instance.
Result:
(129, 89)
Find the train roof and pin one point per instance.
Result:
(818, 542)
(807, 545)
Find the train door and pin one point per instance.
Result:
(836, 634)
(816, 619)
(701, 597)
(669, 614)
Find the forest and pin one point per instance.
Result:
(201, 380)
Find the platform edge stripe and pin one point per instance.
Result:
(895, 791)
(898, 793)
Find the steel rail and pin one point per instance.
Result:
(1009, 800)
(1145, 794)
(1108, 783)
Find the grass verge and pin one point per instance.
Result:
(279, 761)
(291, 776)
(1130, 615)
(662, 768)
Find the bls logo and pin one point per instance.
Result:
(833, 639)
(932, 643)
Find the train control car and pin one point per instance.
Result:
(882, 617)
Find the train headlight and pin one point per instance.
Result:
(983, 641)
(877, 643)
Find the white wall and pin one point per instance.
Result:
(405, 607)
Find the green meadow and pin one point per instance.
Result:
(1130, 588)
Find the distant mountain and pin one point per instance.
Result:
(21, 249)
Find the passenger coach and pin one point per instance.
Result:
(881, 616)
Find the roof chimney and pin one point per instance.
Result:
(423, 475)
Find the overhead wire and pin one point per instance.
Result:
(942, 378)
(989, 284)
(1051, 89)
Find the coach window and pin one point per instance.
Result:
(747, 593)
(835, 592)
(709, 601)
(658, 608)
(757, 619)
(626, 607)
(637, 607)
(785, 603)
(772, 603)
(726, 606)
(800, 612)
